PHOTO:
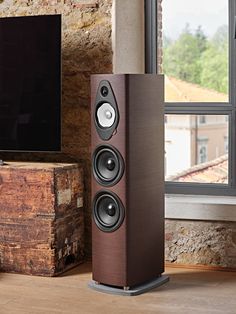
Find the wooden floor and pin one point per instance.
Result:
(189, 291)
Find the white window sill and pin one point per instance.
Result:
(200, 207)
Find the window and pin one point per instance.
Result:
(196, 52)
(202, 119)
(226, 144)
(202, 151)
(196, 152)
(198, 99)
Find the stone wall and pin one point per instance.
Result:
(86, 49)
(201, 243)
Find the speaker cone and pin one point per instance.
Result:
(108, 165)
(108, 211)
(106, 115)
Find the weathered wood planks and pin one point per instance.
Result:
(41, 217)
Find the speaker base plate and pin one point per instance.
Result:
(133, 290)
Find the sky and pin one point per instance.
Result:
(210, 14)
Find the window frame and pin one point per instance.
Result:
(202, 147)
(198, 108)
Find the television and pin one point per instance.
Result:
(30, 83)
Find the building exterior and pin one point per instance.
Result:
(191, 140)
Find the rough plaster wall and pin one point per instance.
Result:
(86, 49)
(201, 243)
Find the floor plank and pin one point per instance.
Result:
(189, 291)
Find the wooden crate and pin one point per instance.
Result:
(41, 218)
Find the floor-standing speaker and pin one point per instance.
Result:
(128, 178)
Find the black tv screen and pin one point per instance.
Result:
(30, 83)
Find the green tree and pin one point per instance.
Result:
(194, 58)
(214, 62)
(182, 57)
(201, 39)
(167, 42)
(220, 38)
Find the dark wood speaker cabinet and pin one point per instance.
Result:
(134, 253)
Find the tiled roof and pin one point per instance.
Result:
(180, 91)
(215, 171)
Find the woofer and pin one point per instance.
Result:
(108, 211)
(108, 165)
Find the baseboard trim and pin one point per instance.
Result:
(200, 207)
(201, 267)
